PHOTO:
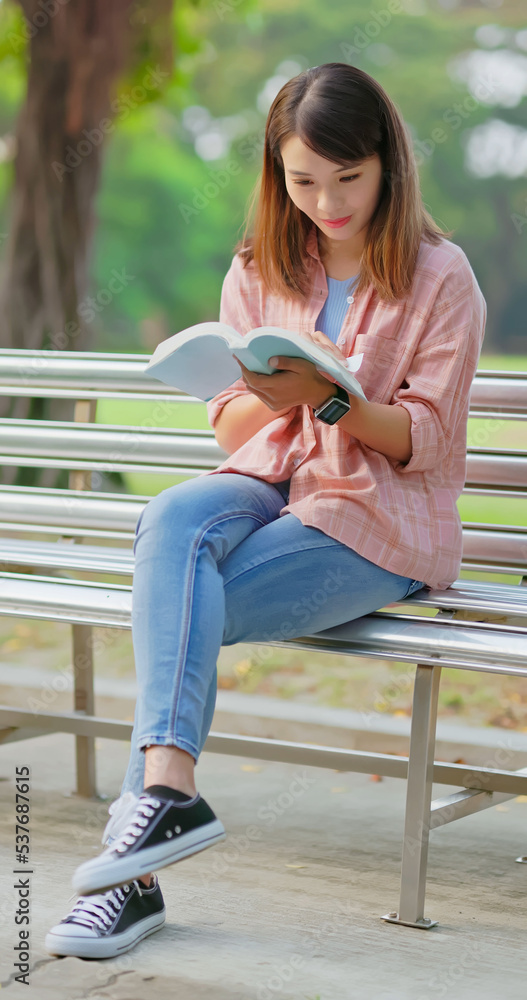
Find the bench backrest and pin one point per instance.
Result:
(495, 470)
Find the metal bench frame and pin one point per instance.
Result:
(478, 625)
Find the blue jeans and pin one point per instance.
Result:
(217, 565)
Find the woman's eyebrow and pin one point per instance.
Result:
(350, 166)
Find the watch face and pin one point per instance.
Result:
(333, 411)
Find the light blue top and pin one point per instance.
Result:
(336, 306)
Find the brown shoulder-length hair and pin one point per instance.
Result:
(342, 114)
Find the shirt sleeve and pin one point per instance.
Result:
(437, 386)
(239, 309)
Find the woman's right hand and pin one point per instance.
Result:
(321, 340)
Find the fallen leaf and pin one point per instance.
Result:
(226, 683)
(375, 777)
(250, 767)
(296, 866)
(521, 798)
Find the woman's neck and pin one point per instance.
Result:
(338, 260)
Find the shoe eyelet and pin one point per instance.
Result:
(168, 833)
(178, 829)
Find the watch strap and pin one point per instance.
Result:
(333, 408)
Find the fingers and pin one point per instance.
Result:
(323, 341)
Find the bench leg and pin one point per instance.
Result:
(418, 801)
(84, 701)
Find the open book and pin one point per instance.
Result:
(199, 360)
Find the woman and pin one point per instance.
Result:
(321, 492)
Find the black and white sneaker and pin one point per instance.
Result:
(166, 826)
(106, 925)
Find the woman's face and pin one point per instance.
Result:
(327, 192)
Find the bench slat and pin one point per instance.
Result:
(492, 547)
(506, 392)
(497, 649)
(496, 469)
(464, 595)
(70, 509)
(29, 441)
(160, 450)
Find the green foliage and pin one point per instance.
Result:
(225, 53)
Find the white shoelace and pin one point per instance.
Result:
(145, 809)
(100, 911)
(121, 812)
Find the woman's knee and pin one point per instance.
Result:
(161, 515)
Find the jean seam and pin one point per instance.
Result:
(178, 679)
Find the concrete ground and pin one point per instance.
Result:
(288, 907)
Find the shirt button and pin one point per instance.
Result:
(350, 299)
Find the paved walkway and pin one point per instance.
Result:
(288, 907)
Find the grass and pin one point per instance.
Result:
(503, 362)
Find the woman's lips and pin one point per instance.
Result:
(336, 223)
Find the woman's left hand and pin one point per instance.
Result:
(297, 382)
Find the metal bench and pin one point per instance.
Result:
(478, 624)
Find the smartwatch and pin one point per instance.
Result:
(334, 408)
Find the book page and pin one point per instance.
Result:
(266, 342)
(200, 365)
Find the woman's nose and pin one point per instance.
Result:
(329, 205)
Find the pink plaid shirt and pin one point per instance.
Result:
(420, 352)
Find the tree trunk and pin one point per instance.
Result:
(78, 50)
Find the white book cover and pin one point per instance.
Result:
(199, 360)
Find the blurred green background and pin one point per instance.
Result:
(178, 170)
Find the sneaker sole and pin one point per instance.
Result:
(78, 947)
(94, 876)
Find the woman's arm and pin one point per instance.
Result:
(380, 426)
(241, 418)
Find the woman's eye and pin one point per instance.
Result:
(351, 177)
